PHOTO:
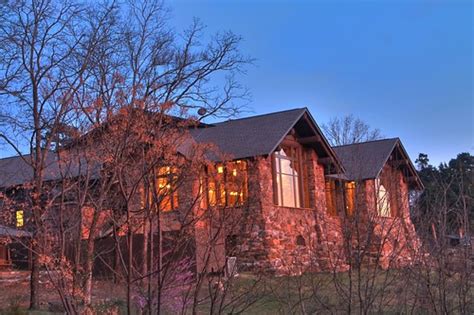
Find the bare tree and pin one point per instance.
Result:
(40, 71)
(349, 130)
(67, 66)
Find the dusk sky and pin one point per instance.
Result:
(405, 67)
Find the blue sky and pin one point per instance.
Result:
(405, 67)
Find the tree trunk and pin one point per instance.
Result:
(130, 262)
(34, 280)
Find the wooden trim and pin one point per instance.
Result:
(309, 140)
(274, 179)
(325, 160)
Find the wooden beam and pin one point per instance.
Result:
(399, 162)
(325, 161)
(412, 178)
(308, 140)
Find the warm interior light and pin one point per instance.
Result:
(19, 218)
(220, 169)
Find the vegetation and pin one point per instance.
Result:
(98, 87)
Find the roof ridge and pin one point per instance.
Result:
(261, 115)
(370, 141)
(14, 156)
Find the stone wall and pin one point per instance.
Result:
(393, 240)
(286, 240)
(283, 240)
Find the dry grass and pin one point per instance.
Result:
(310, 293)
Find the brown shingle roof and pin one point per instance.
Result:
(365, 160)
(235, 139)
(251, 136)
(16, 170)
(260, 135)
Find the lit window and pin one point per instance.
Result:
(383, 199)
(290, 188)
(228, 186)
(164, 191)
(20, 218)
(331, 197)
(350, 196)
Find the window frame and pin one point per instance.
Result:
(222, 191)
(387, 199)
(300, 181)
(350, 197)
(331, 196)
(171, 178)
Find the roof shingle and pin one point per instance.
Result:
(365, 160)
(252, 136)
(16, 170)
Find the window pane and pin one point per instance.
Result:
(166, 190)
(350, 197)
(283, 152)
(383, 201)
(212, 193)
(297, 191)
(278, 192)
(288, 190)
(222, 194)
(19, 218)
(286, 167)
(227, 184)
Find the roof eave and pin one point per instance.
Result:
(318, 131)
(411, 167)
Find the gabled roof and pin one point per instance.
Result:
(251, 136)
(233, 139)
(259, 135)
(366, 160)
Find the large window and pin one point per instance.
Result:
(383, 199)
(289, 180)
(163, 192)
(350, 197)
(167, 188)
(227, 184)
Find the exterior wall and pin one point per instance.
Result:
(287, 240)
(392, 241)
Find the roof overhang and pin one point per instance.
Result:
(413, 179)
(317, 140)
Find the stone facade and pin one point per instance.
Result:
(389, 241)
(285, 240)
